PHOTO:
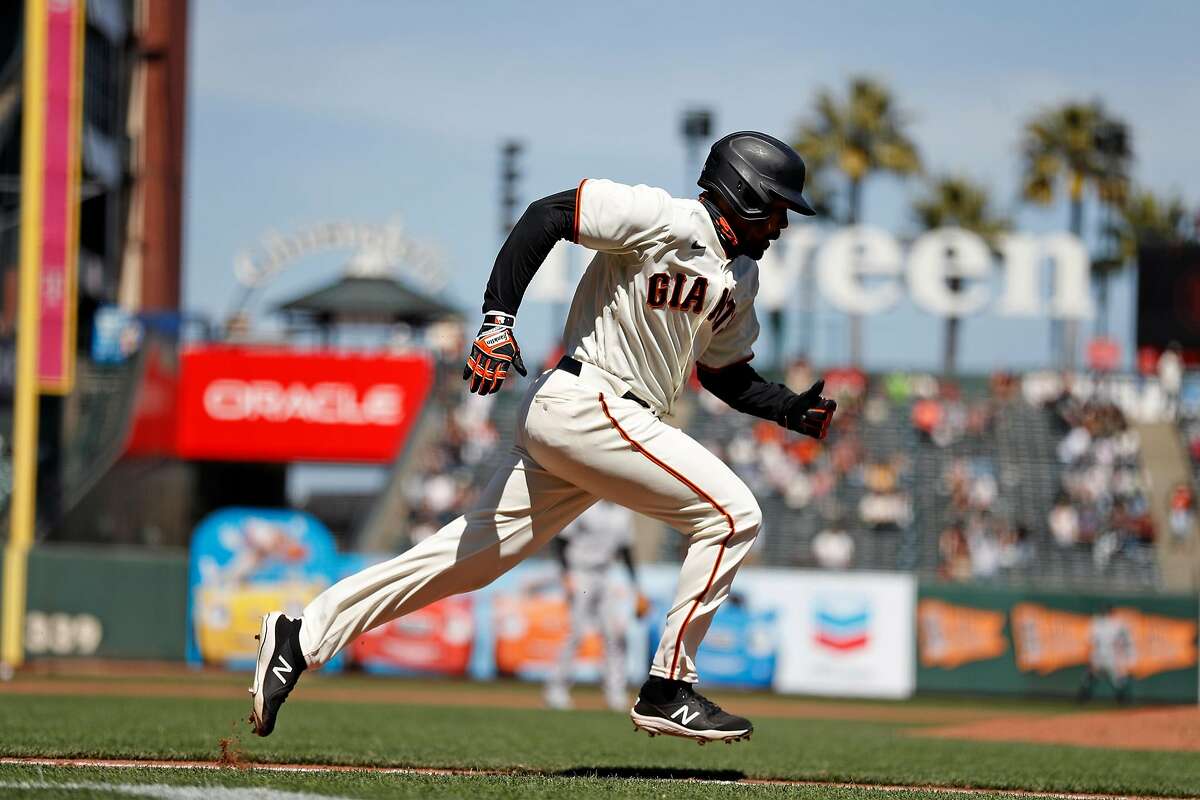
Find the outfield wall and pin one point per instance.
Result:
(105, 602)
(1014, 641)
(799, 631)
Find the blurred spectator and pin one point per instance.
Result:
(1074, 445)
(983, 547)
(947, 419)
(955, 558)
(1003, 387)
(1064, 521)
(1182, 504)
(1016, 549)
(1102, 499)
(884, 506)
(926, 417)
(1170, 375)
(833, 547)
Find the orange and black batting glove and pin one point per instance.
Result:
(494, 349)
(809, 413)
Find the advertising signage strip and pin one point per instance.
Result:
(60, 198)
(993, 639)
(254, 404)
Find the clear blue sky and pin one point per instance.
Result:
(301, 112)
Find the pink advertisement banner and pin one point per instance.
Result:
(60, 209)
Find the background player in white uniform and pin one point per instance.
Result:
(586, 549)
(1111, 655)
(665, 291)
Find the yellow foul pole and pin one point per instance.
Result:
(25, 400)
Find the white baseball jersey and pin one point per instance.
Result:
(660, 293)
(596, 535)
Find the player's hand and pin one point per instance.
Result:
(494, 349)
(568, 584)
(642, 605)
(809, 413)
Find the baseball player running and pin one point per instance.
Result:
(585, 550)
(672, 284)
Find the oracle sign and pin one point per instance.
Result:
(246, 403)
(322, 403)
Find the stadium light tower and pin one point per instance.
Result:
(696, 129)
(509, 152)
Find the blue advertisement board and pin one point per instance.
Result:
(246, 562)
(740, 648)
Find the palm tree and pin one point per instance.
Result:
(955, 201)
(1146, 218)
(1078, 144)
(858, 135)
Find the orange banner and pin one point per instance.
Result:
(1047, 640)
(951, 635)
(1160, 644)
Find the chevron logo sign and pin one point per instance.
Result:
(842, 623)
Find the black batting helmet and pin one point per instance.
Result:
(752, 171)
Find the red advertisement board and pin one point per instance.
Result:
(267, 404)
(435, 640)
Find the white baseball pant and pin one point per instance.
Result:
(576, 440)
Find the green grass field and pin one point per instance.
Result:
(537, 753)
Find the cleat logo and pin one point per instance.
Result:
(682, 714)
(286, 667)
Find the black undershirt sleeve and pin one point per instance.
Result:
(544, 223)
(743, 389)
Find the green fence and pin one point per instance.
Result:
(992, 640)
(106, 602)
(109, 602)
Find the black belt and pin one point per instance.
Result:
(575, 366)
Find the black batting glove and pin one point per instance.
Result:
(493, 350)
(809, 413)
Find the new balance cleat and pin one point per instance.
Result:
(280, 662)
(674, 708)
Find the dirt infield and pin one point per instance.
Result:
(1176, 728)
(949, 791)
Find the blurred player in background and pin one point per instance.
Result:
(585, 549)
(1110, 656)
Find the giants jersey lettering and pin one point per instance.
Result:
(660, 293)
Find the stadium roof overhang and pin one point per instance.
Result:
(371, 299)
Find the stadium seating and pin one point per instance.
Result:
(989, 469)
